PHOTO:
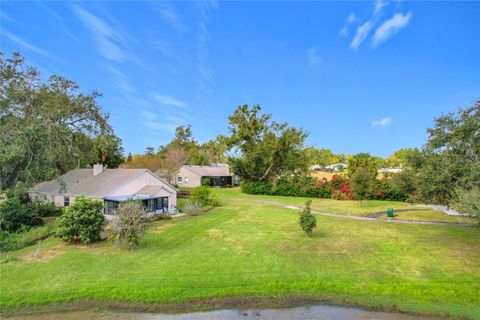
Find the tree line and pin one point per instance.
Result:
(50, 127)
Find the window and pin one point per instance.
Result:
(66, 201)
(179, 179)
(162, 204)
(110, 207)
(150, 205)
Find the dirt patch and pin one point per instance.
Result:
(39, 255)
(163, 227)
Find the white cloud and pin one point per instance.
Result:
(148, 115)
(382, 123)
(352, 18)
(313, 57)
(379, 5)
(167, 100)
(17, 40)
(391, 27)
(361, 34)
(170, 16)
(108, 40)
(160, 126)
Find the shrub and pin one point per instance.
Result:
(296, 186)
(361, 183)
(15, 216)
(18, 193)
(307, 220)
(16, 241)
(341, 187)
(386, 190)
(128, 225)
(467, 202)
(206, 181)
(44, 208)
(203, 196)
(83, 220)
(324, 189)
(192, 208)
(256, 187)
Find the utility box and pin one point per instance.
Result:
(390, 212)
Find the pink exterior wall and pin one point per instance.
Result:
(147, 179)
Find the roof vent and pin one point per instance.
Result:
(97, 169)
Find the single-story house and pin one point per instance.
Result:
(191, 176)
(112, 186)
(389, 170)
(316, 167)
(337, 167)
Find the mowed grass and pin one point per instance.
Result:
(247, 249)
(431, 215)
(351, 208)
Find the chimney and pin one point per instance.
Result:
(97, 169)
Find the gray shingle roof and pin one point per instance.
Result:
(209, 171)
(83, 182)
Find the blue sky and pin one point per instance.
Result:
(359, 76)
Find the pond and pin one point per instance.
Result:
(320, 312)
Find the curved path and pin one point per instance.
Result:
(355, 217)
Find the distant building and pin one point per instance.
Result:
(316, 167)
(389, 170)
(337, 167)
(191, 176)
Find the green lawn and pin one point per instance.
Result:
(247, 249)
(430, 215)
(352, 208)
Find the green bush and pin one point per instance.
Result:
(83, 220)
(16, 241)
(18, 193)
(15, 216)
(44, 208)
(307, 220)
(296, 186)
(203, 196)
(206, 181)
(128, 225)
(386, 190)
(256, 187)
(467, 201)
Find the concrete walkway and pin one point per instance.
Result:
(357, 218)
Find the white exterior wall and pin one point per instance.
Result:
(189, 178)
(59, 201)
(147, 179)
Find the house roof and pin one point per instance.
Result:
(148, 190)
(209, 171)
(83, 182)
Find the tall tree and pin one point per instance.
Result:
(362, 180)
(456, 137)
(323, 157)
(264, 149)
(45, 127)
(366, 161)
(108, 150)
(171, 162)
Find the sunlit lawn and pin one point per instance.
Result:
(353, 208)
(249, 249)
